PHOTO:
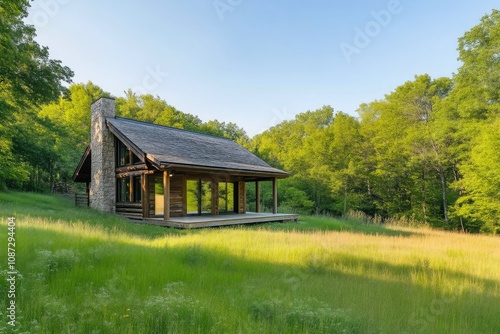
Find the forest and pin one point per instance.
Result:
(427, 151)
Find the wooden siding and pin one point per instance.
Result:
(81, 200)
(130, 210)
(176, 196)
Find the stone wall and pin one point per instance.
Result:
(102, 144)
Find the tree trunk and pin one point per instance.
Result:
(443, 191)
(440, 170)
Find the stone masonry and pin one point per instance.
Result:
(102, 144)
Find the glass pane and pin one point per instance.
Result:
(137, 189)
(159, 203)
(206, 197)
(123, 154)
(123, 192)
(192, 196)
(226, 197)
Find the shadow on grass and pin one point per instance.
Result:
(314, 223)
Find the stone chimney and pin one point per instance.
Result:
(102, 145)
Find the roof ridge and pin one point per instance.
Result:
(171, 127)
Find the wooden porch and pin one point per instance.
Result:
(220, 220)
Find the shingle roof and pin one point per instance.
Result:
(164, 145)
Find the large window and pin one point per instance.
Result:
(199, 197)
(159, 196)
(123, 190)
(226, 197)
(124, 156)
(128, 189)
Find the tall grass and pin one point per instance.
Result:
(86, 272)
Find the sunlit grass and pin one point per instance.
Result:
(82, 271)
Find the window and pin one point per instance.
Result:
(136, 189)
(123, 190)
(124, 156)
(159, 196)
(125, 193)
(226, 197)
(199, 197)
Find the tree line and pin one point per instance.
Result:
(427, 151)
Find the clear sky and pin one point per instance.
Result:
(256, 63)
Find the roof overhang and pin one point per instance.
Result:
(83, 170)
(223, 171)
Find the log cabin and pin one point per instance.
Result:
(172, 177)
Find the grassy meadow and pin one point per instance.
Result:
(81, 271)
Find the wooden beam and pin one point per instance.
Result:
(145, 195)
(257, 196)
(132, 168)
(166, 195)
(275, 195)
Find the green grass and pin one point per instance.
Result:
(87, 272)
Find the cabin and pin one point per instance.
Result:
(172, 177)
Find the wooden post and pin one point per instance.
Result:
(275, 195)
(87, 191)
(242, 197)
(145, 195)
(215, 197)
(236, 200)
(257, 196)
(199, 197)
(166, 195)
(184, 196)
(131, 189)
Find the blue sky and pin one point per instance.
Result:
(255, 63)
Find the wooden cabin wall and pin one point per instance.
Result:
(177, 193)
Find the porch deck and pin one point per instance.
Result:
(222, 220)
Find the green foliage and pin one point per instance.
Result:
(481, 180)
(28, 79)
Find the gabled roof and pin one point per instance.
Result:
(171, 148)
(168, 147)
